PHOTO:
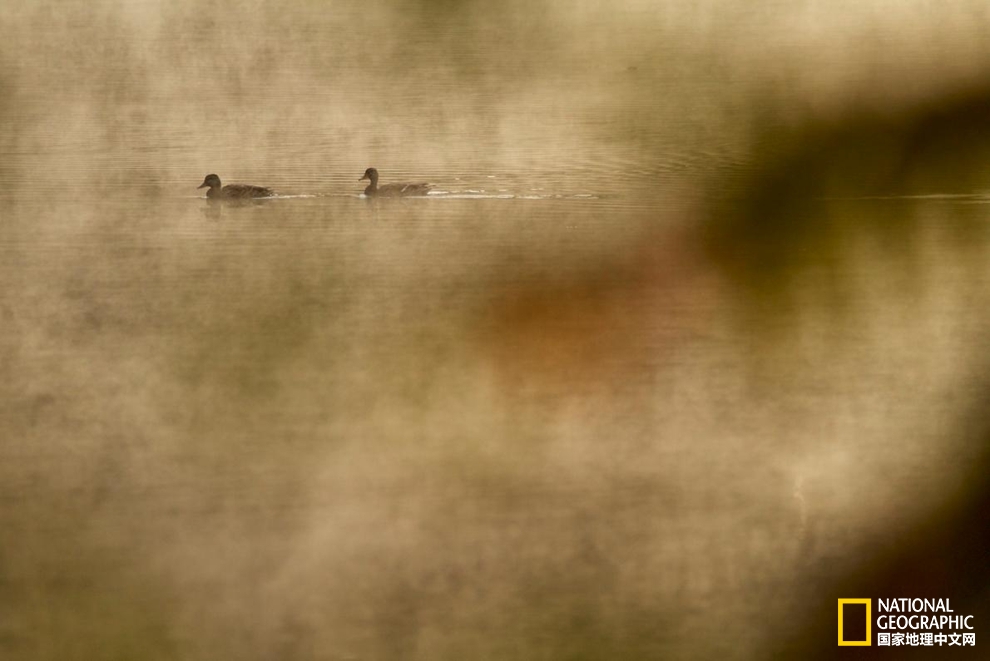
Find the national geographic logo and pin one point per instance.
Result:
(907, 622)
(854, 622)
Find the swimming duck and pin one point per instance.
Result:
(391, 190)
(232, 191)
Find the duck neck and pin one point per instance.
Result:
(214, 191)
(373, 186)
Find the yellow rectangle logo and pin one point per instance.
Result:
(854, 622)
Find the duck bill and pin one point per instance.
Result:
(363, 178)
(203, 185)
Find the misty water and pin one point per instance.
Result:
(660, 363)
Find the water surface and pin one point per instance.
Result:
(685, 342)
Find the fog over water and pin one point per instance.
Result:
(688, 341)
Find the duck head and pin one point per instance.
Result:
(371, 174)
(211, 181)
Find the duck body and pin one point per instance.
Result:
(232, 191)
(391, 190)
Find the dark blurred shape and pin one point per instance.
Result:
(779, 215)
(797, 210)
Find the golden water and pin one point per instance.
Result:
(658, 370)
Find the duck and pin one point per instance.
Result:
(232, 191)
(391, 190)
